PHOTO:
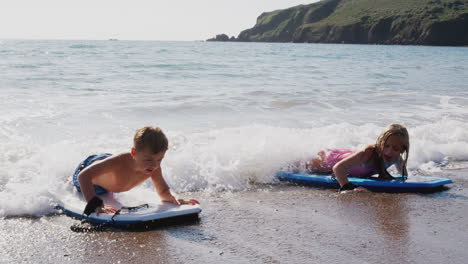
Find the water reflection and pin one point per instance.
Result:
(385, 215)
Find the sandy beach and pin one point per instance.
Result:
(279, 223)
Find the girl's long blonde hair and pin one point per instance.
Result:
(391, 130)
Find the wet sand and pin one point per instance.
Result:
(278, 223)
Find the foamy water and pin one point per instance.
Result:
(234, 112)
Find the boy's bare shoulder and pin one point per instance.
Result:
(121, 156)
(115, 161)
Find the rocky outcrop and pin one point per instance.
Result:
(222, 37)
(417, 22)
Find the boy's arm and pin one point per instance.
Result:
(162, 188)
(164, 191)
(85, 178)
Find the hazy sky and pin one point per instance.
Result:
(127, 19)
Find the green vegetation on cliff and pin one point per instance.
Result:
(425, 22)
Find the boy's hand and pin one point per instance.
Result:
(181, 201)
(171, 199)
(191, 201)
(105, 210)
(96, 205)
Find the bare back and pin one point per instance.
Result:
(116, 173)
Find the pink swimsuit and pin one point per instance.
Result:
(333, 156)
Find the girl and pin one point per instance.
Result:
(387, 151)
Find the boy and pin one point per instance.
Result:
(103, 173)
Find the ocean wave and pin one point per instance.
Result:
(226, 159)
(148, 66)
(82, 46)
(26, 66)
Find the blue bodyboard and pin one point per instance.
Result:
(399, 184)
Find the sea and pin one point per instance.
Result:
(234, 113)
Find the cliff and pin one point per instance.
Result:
(416, 22)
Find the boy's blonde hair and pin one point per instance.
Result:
(150, 139)
(392, 130)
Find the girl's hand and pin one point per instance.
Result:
(358, 189)
(361, 189)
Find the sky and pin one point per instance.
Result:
(132, 19)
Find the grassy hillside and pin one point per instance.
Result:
(429, 22)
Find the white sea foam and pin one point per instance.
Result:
(35, 176)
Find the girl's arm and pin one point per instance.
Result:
(342, 167)
(398, 166)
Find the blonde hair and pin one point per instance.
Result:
(151, 139)
(392, 130)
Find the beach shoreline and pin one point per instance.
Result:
(273, 223)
